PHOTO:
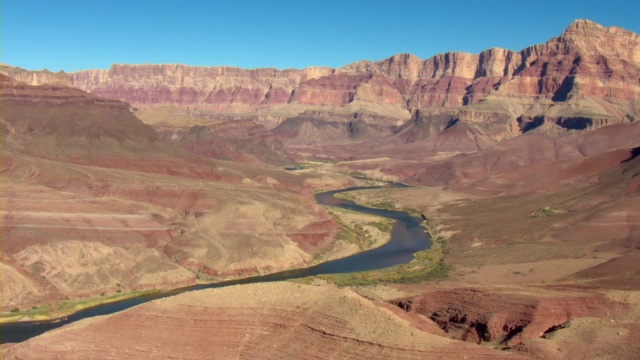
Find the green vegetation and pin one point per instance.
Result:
(349, 196)
(356, 174)
(382, 226)
(72, 306)
(546, 212)
(362, 234)
(355, 234)
(369, 179)
(309, 164)
(386, 205)
(46, 311)
(373, 198)
(34, 313)
(426, 265)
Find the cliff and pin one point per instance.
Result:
(587, 61)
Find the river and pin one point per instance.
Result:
(407, 237)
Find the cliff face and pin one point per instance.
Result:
(587, 60)
(223, 89)
(37, 77)
(12, 90)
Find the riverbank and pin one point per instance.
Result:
(357, 232)
(427, 265)
(407, 238)
(60, 310)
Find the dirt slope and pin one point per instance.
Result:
(267, 321)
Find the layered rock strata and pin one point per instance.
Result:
(586, 61)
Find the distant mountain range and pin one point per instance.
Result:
(588, 71)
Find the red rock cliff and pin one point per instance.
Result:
(587, 60)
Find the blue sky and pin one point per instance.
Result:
(76, 35)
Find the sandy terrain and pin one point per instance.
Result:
(268, 321)
(72, 230)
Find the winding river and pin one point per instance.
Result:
(407, 237)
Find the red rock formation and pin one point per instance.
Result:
(37, 77)
(481, 315)
(587, 60)
(223, 89)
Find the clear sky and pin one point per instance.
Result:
(86, 34)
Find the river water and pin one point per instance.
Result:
(407, 237)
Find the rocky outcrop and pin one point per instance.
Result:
(41, 77)
(587, 60)
(502, 318)
(222, 89)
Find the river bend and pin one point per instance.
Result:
(407, 237)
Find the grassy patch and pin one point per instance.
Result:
(34, 313)
(304, 166)
(546, 212)
(355, 174)
(352, 234)
(345, 234)
(375, 198)
(309, 165)
(73, 306)
(46, 312)
(386, 205)
(362, 230)
(426, 265)
(382, 226)
(349, 196)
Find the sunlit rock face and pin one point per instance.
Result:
(587, 61)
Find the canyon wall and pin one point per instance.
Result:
(586, 61)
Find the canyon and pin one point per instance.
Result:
(523, 164)
(588, 70)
